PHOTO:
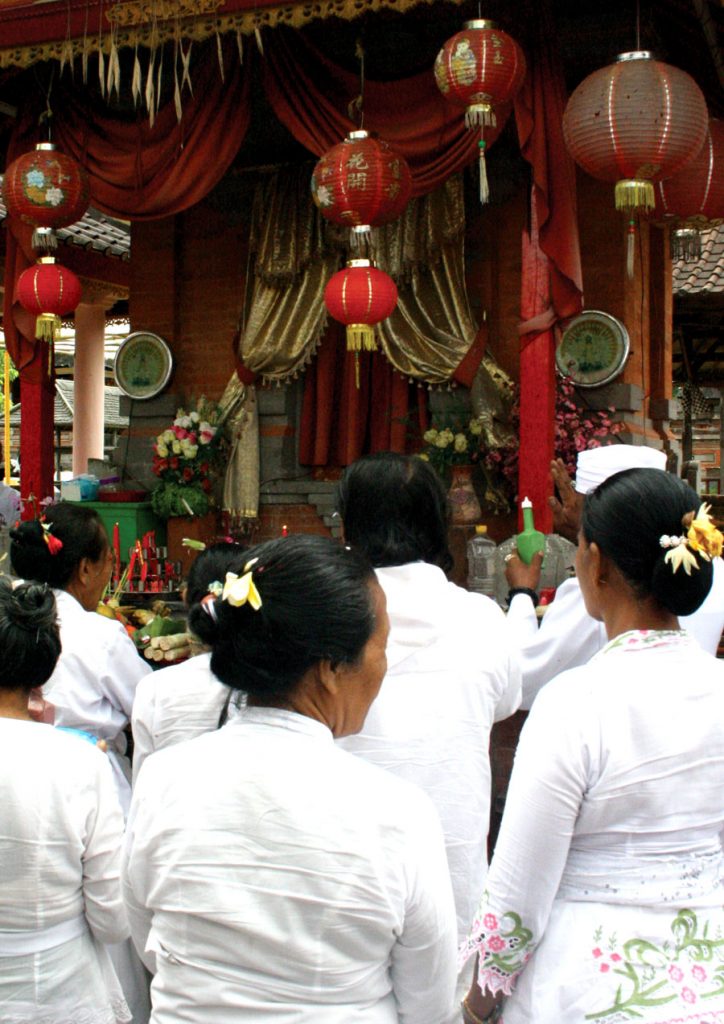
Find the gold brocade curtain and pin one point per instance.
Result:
(292, 265)
(425, 339)
(432, 329)
(286, 318)
(241, 482)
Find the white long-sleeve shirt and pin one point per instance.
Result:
(270, 876)
(60, 836)
(176, 704)
(451, 673)
(95, 680)
(604, 900)
(569, 637)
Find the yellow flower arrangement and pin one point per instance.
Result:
(454, 445)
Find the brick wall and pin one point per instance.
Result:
(188, 277)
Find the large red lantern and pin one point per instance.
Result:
(360, 296)
(361, 183)
(695, 197)
(49, 291)
(480, 68)
(47, 189)
(635, 122)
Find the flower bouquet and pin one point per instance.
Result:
(186, 455)
(459, 444)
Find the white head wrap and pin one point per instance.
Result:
(597, 464)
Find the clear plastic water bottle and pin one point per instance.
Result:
(481, 563)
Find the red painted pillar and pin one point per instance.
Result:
(37, 398)
(537, 377)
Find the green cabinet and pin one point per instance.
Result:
(134, 518)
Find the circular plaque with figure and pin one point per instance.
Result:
(143, 365)
(593, 350)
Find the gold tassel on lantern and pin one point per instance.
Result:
(360, 337)
(47, 326)
(480, 115)
(634, 195)
(484, 189)
(686, 244)
(630, 247)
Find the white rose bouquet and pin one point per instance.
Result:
(185, 455)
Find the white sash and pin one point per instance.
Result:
(20, 943)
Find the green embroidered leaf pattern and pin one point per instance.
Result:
(504, 946)
(686, 971)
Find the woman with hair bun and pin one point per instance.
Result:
(269, 875)
(61, 831)
(93, 685)
(186, 700)
(604, 900)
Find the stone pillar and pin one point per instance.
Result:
(89, 374)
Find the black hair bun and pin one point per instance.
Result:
(29, 605)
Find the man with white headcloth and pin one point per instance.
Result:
(568, 636)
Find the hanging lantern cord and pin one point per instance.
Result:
(359, 102)
(47, 115)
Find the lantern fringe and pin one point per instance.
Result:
(44, 240)
(484, 188)
(630, 247)
(480, 115)
(634, 195)
(685, 244)
(361, 337)
(360, 237)
(47, 326)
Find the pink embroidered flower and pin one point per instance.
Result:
(495, 943)
(604, 967)
(615, 957)
(687, 995)
(597, 952)
(490, 921)
(675, 973)
(698, 972)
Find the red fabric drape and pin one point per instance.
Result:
(309, 94)
(341, 422)
(135, 172)
(139, 173)
(539, 110)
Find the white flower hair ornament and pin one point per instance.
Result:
(240, 590)
(701, 536)
(215, 588)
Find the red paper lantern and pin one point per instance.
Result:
(480, 68)
(695, 198)
(361, 183)
(360, 296)
(49, 291)
(635, 122)
(47, 189)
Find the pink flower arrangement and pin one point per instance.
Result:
(576, 430)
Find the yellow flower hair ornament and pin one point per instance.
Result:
(240, 590)
(701, 536)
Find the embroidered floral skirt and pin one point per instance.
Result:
(606, 963)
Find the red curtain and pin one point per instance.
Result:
(309, 94)
(539, 110)
(140, 173)
(340, 422)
